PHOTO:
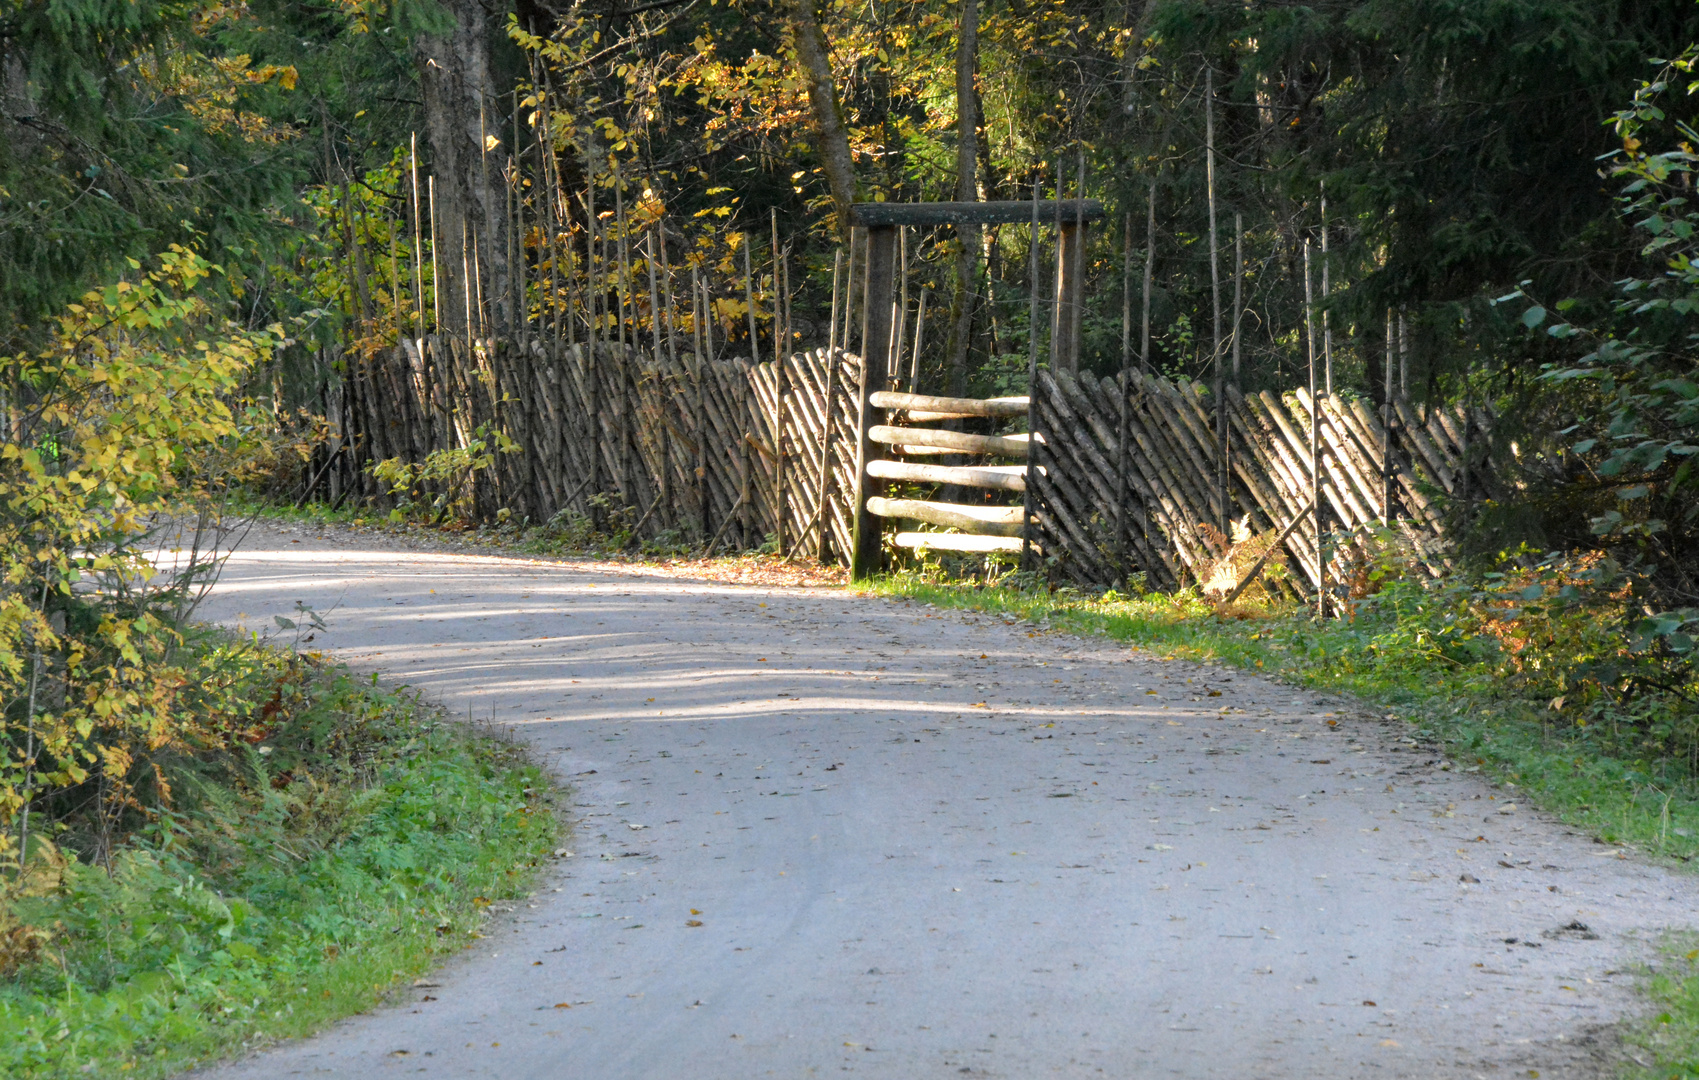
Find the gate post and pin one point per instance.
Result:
(1065, 321)
(866, 556)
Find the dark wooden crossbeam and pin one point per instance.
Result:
(974, 213)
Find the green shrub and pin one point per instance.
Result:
(349, 837)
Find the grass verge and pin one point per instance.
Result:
(1665, 1044)
(351, 839)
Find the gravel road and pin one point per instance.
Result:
(973, 848)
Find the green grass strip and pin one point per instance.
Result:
(268, 916)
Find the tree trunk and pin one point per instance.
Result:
(968, 238)
(816, 60)
(461, 117)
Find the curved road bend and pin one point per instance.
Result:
(924, 844)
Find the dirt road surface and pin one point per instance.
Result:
(819, 834)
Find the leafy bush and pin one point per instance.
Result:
(343, 839)
(124, 434)
(439, 488)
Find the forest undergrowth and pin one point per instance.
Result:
(346, 837)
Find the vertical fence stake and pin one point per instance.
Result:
(1221, 511)
(831, 362)
(900, 330)
(1029, 500)
(1315, 438)
(779, 381)
(919, 338)
(1326, 316)
(698, 313)
(1386, 415)
(876, 341)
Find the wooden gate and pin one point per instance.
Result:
(987, 526)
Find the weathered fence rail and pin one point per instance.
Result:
(689, 445)
(1114, 477)
(1106, 509)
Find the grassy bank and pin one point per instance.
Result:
(346, 838)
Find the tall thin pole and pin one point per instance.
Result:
(832, 322)
(434, 371)
(749, 299)
(1326, 321)
(1125, 390)
(667, 294)
(1127, 291)
(899, 332)
(1028, 501)
(1149, 269)
(1215, 304)
(1076, 306)
(698, 320)
(418, 241)
(1032, 299)
(654, 299)
(466, 292)
(663, 377)
(519, 303)
(919, 342)
(1403, 355)
(708, 320)
(622, 271)
(1315, 437)
(436, 278)
(779, 380)
(627, 343)
(1386, 420)
(1058, 328)
(828, 413)
(592, 312)
(1238, 289)
(778, 290)
(849, 292)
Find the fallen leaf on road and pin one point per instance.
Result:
(693, 922)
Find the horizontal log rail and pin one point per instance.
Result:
(995, 477)
(959, 542)
(977, 520)
(908, 440)
(928, 407)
